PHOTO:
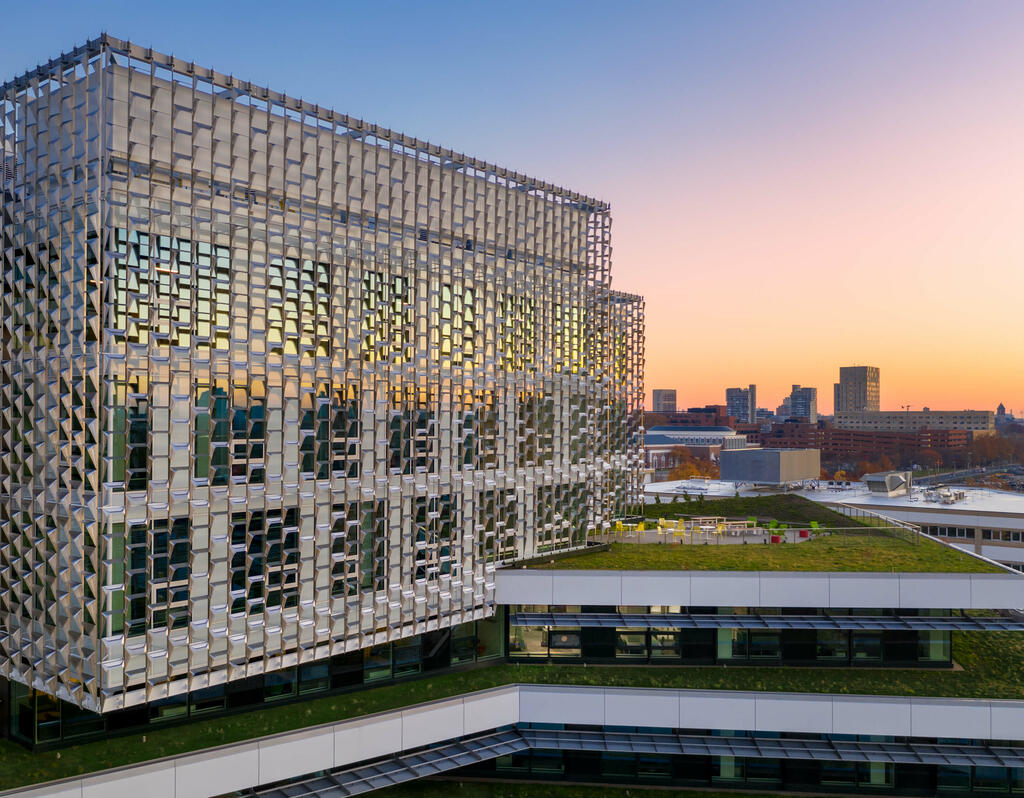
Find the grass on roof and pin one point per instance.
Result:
(782, 507)
(837, 552)
(992, 662)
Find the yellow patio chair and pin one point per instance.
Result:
(670, 528)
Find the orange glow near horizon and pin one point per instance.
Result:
(795, 185)
(884, 227)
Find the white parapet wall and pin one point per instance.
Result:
(761, 589)
(230, 768)
(240, 766)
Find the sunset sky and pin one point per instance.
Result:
(795, 185)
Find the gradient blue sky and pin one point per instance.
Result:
(795, 185)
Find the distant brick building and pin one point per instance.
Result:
(858, 444)
(707, 416)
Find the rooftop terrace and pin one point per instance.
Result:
(831, 552)
(787, 508)
(705, 535)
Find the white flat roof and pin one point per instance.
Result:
(975, 501)
(716, 488)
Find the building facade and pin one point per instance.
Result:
(279, 384)
(723, 437)
(858, 389)
(770, 466)
(859, 444)
(282, 394)
(707, 416)
(803, 403)
(742, 403)
(662, 444)
(912, 420)
(663, 400)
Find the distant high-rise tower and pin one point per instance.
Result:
(742, 403)
(664, 400)
(857, 389)
(803, 403)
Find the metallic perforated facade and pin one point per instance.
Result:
(277, 383)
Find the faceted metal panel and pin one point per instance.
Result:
(278, 383)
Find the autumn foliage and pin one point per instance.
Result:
(687, 465)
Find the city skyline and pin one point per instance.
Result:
(769, 400)
(848, 176)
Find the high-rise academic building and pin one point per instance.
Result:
(742, 403)
(295, 406)
(279, 384)
(663, 400)
(857, 389)
(803, 403)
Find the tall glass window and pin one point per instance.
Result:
(953, 778)
(764, 644)
(490, 637)
(727, 768)
(377, 662)
(867, 646)
(665, 644)
(990, 779)
(564, 642)
(832, 645)
(463, 643)
(528, 641)
(876, 774)
(631, 644)
(933, 646)
(732, 644)
(407, 656)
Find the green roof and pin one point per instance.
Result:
(992, 666)
(784, 507)
(838, 552)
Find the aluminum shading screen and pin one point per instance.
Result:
(280, 384)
